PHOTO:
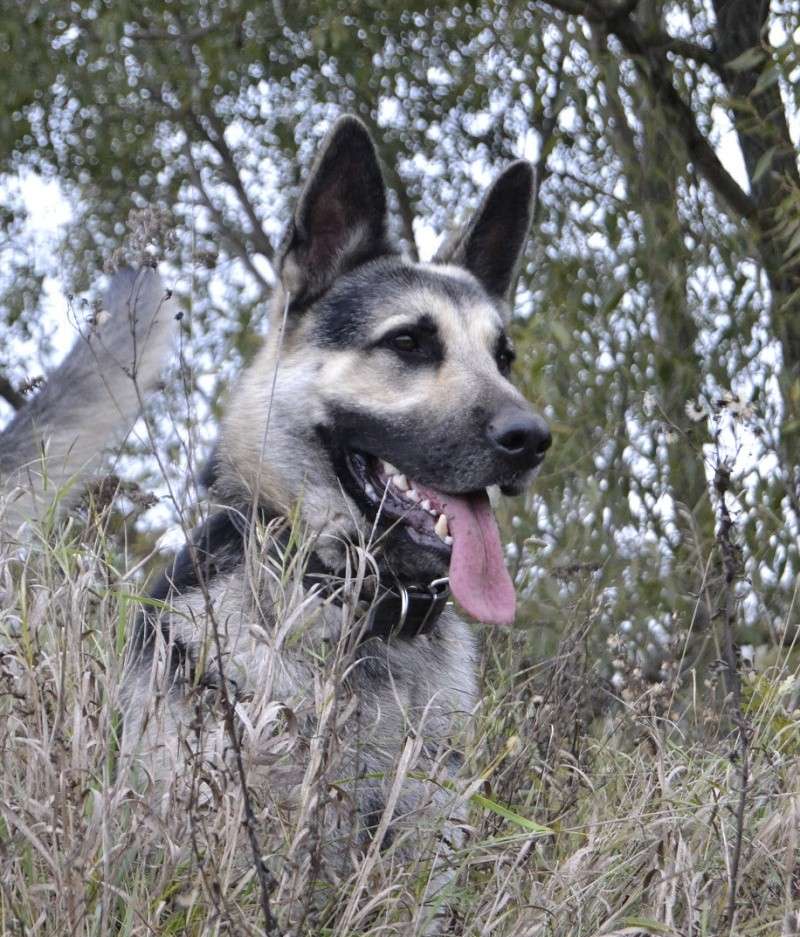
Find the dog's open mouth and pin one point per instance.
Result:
(400, 498)
(461, 526)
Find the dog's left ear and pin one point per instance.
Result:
(491, 245)
(341, 218)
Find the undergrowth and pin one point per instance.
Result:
(600, 802)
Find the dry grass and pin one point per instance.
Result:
(594, 810)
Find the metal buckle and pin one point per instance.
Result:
(418, 605)
(438, 589)
(439, 586)
(403, 605)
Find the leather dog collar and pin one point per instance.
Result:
(408, 611)
(400, 610)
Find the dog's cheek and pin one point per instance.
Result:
(324, 505)
(375, 382)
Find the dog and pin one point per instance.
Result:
(348, 512)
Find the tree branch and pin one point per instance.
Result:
(611, 18)
(687, 50)
(10, 394)
(545, 124)
(584, 8)
(161, 35)
(655, 68)
(217, 140)
(406, 209)
(763, 132)
(224, 228)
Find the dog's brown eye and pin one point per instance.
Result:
(415, 344)
(505, 359)
(404, 343)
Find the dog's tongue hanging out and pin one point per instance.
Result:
(478, 575)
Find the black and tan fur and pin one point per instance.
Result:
(372, 354)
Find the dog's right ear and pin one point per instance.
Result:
(341, 218)
(491, 245)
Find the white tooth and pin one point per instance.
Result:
(414, 495)
(370, 491)
(388, 468)
(441, 528)
(399, 481)
(448, 541)
(494, 495)
(426, 505)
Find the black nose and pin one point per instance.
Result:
(520, 434)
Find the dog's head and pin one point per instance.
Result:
(382, 404)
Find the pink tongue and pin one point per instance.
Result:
(478, 575)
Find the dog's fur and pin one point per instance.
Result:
(56, 440)
(333, 378)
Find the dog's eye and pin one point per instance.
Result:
(404, 343)
(415, 344)
(505, 358)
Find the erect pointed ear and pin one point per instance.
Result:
(491, 245)
(340, 220)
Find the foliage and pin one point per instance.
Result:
(657, 328)
(645, 285)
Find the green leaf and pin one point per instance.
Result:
(487, 804)
(794, 244)
(652, 927)
(750, 58)
(766, 79)
(763, 163)
(561, 333)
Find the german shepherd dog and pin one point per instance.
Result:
(349, 501)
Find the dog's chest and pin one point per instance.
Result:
(278, 642)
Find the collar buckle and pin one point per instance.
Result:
(403, 611)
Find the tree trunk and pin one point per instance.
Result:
(760, 120)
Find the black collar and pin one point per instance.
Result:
(400, 610)
(408, 611)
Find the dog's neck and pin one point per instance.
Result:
(394, 609)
